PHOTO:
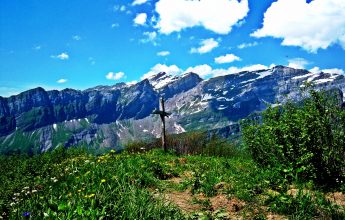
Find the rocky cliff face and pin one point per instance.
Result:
(106, 116)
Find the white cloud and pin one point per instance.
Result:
(173, 70)
(246, 45)
(121, 8)
(228, 58)
(206, 70)
(115, 76)
(163, 53)
(216, 15)
(76, 37)
(132, 82)
(38, 47)
(140, 19)
(62, 56)
(201, 70)
(205, 46)
(114, 25)
(149, 37)
(139, 2)
(92, 61)
(298, 63)
(62, 81)
(312, 26)
(333, 70)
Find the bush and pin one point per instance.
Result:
(304, 140)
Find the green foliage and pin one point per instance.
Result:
(304, 140)
(74, 184)
(196, 143)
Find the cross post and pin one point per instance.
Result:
(162, 113)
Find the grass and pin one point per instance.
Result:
(74, 184)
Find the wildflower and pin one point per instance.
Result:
(26, 214)
(34, 191)
(103, 180)
(112, 151)
(89, 196)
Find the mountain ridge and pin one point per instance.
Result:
(108, 116)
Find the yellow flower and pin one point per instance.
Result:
(103, 180)
(89, 196)
(112, 151)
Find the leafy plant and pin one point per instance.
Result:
(304, 140)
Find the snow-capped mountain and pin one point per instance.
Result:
(107, 116)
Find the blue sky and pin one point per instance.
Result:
(83, 43)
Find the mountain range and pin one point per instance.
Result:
(109, 116)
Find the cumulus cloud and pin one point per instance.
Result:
(62, 56)
(246, 45)
(140, 19)
(228, 58)
(206, 46)
(173, 70)
(163, 53)
(62, 81)
(215, 15)
(298, 63)
(333, 70)
(139, 2)
(115, 76)
(312, 26)
(201, 70)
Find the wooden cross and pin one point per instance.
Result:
(162, 113)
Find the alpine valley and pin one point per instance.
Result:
(109, 116)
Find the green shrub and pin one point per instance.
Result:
(304, 140)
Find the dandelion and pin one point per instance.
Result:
(103, 181)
